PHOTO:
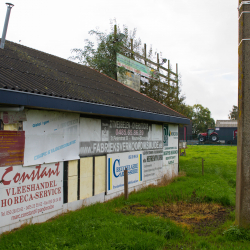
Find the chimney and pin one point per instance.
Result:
(10, 5)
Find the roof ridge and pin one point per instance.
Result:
(142, 94)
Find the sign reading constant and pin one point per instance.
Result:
(113, 136)
(26, 192)
(11, 148)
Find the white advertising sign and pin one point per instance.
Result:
(170, 149)
(117, 163)
(27, 192)
(152, 164)
(50, 137)
(130, 79)
(99, 136)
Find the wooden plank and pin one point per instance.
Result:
(149, 61)
(86, 177)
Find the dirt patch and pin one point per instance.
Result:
(201, 218)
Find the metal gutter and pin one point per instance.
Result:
(57, 103)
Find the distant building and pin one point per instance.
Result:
(185, 132)
(226, 124)
(227, 131)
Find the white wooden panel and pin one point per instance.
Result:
(72, 168)
(90, 129)
(100, 166)
(72, 188)
(86, 177)
(156, 132)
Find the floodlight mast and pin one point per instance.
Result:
(10, 5)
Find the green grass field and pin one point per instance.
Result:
(194, 211)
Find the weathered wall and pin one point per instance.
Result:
(88, 170)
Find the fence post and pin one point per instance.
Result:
(126, 184)
(202, 160)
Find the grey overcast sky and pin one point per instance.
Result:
(201, 36)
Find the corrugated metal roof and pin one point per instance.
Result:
(226, 123)
(28, 70)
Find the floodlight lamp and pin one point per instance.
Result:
(164, 60)
(120, 37)
(10, 4)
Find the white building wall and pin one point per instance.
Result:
(148, 150)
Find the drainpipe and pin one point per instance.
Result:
(10, 5)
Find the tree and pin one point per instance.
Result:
(233, 115)
(201, 119)
(187, 110)
(102, 57)
(165, 92)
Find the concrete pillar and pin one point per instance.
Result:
(243, 149)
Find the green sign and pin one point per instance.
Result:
(129, 64)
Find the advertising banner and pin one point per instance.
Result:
(113, 136)
(27, 192)
(117, 163)
(152, 164)
(11, 148)
(50, 137)
(170, 152)
(132, 65)
(131, 80)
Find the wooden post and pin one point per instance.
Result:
(126, 184)
(202, 166)
(168, 72)
(115, 36)
(158, 78)
(132, 48)
(158, 62)
(115, 32)
(177, 84)
(145, 53)
(242, 212)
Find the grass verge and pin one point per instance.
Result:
(193, 211)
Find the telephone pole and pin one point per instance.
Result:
(242, 215)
